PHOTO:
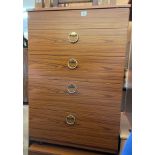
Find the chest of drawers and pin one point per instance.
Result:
(76, 68)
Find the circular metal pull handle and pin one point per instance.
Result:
(71, 88)
(70, 119)
(73, 37)
(72, 63)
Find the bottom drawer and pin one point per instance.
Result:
(37, 149)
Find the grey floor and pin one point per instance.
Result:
(124, 129)
(25, 130)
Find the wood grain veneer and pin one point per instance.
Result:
(69, 19)
(100, 53)
(36, 149)
(107, 42)
(89, 67)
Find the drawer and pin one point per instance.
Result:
(36, 149)
(74, 90)
(91, 68)
(69, 19)
(103, 42)
(92, 125)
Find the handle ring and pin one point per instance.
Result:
(70, 119)
(73, 37)
(72, 88)
(72, 63)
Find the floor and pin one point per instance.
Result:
(25, 130)
(125, 126)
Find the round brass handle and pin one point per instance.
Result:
(73, 37)
(70, 119)
(71, 88)
(72, 63)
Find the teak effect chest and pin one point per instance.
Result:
(76, 68)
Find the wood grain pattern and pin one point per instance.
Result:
(100, 53)
(89, 67)
(49, 98)
(110, 42)
(36, 149)
(97, 18)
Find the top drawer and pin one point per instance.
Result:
(68, 19)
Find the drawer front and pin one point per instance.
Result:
(36, 149)
(83, 88)
(89, 68)
(87, 125)
(96, 18)
(103, 42)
